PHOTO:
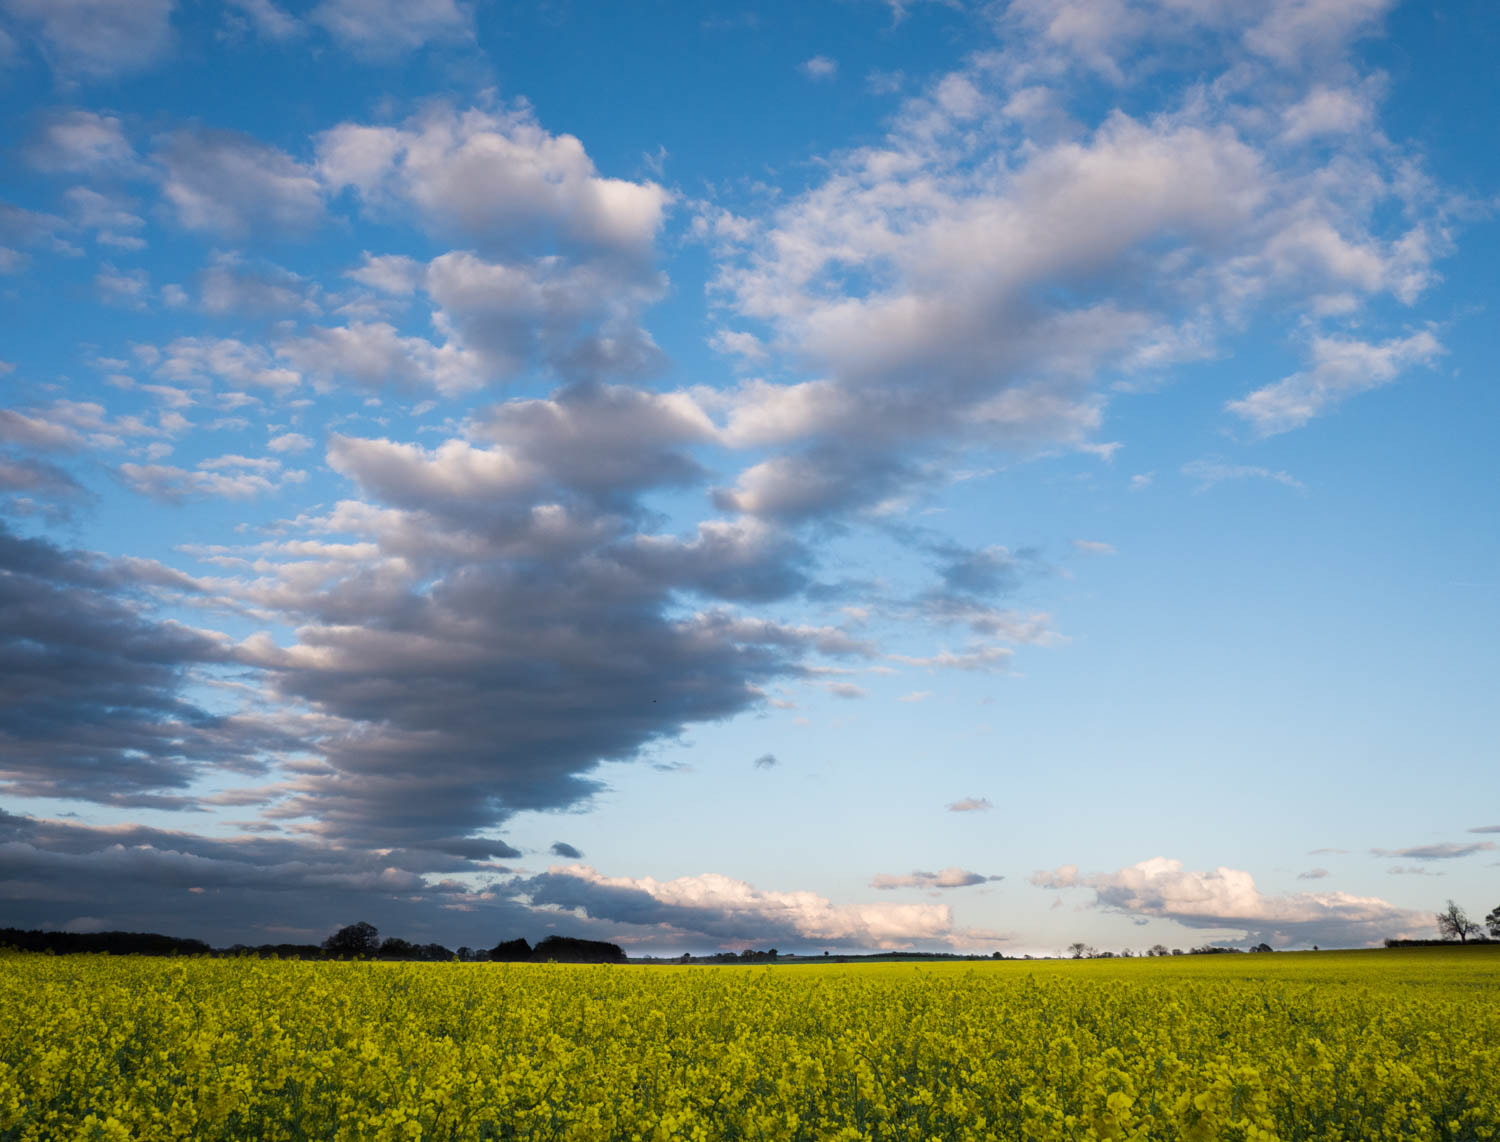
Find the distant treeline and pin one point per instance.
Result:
(1472, 942)
(114, 943)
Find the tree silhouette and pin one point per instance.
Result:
(356, 941)
(1454, 924)
(1492, 922)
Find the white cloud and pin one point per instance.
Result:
(1207, 473)
(380, 29)
(1341, 367)
(496, 179)
(126, 289)
(982, 658)
(270, 21)
(82, 142)
(289, 442)
(227, 477)
(819, 68)
(390, 273)
(732, 911)
(1227, 898)
(1093, 547)
(916, 696)
(374, 354)
(239, 363)
(98, 38)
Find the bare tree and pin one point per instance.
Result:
(1454, 924)
(1079, 951)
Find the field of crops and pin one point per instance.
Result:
(1378, 1045)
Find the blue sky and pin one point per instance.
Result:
(832, 475)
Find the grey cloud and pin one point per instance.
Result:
(766, 761)
(92, 686)
(1313, 874)
(971, 805)
(232, 284)
(231, 183)
(1486, 829)
(514, 630)
(1449, 851)
(567, 851)
(947, 878)
(98, 38)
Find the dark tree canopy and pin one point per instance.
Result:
(356, 941)
(511, 952)
(567, 950)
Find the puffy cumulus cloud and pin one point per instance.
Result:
(565, 850)
(375, 354)
(581, 319)
(230, 183)
(603, 440)
(731, 913)
(1227, 898)
(200, 360)
(1341, 367)
(977, 279)
(497, 180)
(82, 142)
(953, 877)
(1449, 851)
(381, 29)
(94, 39)
(93, 702)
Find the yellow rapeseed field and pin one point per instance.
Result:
(1348, 1046)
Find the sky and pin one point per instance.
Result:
(835, 475)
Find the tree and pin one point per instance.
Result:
(1078, 950)
(516, 951)
(1159, 950)
(357, 941)
(1492, 922)
(1454, 924)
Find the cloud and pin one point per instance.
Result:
(819, 68)
(567, 851)
(82, 142)
(1486, 829)
(733, 913)
(232, 284)
(915, 696)
(125, 289)
(971, 805)
(1227, 898)
(1341, 368)
(95, 39)
(1449, 851)
(113, 222)
(1093, 547)
(1207, 473)
(94, 703)
(223, 477)
(977, 659)
(199, 359)
(1313, 874)
(495, 179)
(979, 281)
(766, 761)
(289, 442)
(229, 183)
(374, 354)
(269, 21)
(948, 878)
(383, 29)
